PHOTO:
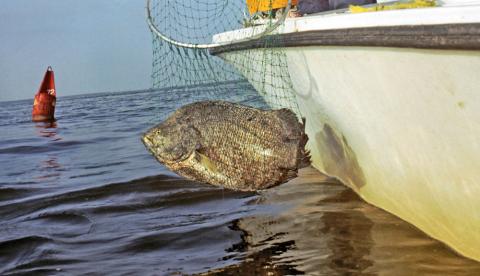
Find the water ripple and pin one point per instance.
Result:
(83, 196)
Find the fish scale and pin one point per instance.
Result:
(230, 145)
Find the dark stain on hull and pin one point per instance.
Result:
(338, 158)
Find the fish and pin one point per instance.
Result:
(231, 145)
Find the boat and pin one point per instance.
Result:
(392, 105)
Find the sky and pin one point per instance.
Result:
(92, 45)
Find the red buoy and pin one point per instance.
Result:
(45, 99)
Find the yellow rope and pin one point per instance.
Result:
(414, 4)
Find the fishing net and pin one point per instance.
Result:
(189, 35)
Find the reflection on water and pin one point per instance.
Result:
(47, 129)
(49, 168)
(349, 234)
(258, 262)
(326, 229)
(51, 163)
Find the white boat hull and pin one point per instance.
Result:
(401, 127)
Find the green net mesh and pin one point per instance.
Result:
(185, 47)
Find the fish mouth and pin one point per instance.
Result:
(147, 141)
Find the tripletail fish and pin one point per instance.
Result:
(231, 145)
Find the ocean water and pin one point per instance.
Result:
(83, 196)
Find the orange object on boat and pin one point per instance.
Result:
(45, 99)
(267, 5)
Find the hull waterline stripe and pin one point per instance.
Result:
(448, 37)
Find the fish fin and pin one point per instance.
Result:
(304, 159)
(304, 122)
(288, 116)
(303, 154)
(291, 174)
(287, 176)
(206, 162)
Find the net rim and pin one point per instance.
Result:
(159, 34)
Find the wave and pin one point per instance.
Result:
(56, 146)
(149, 217)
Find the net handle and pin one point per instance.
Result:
(157, 32)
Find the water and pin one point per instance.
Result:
(83, 196)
